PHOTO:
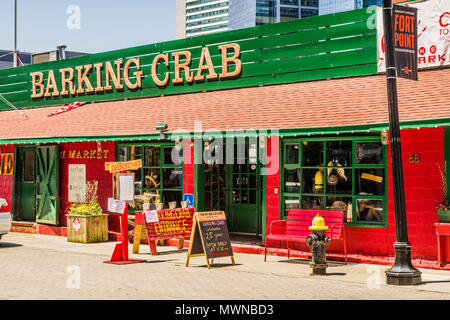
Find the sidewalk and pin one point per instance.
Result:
(36, 267)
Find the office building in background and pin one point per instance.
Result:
(200, 17)
(334, 6)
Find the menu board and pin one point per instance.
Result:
(210, 237)
(214, 232)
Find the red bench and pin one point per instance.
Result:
(295, 228)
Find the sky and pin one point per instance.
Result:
(89, 26)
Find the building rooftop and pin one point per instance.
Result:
(313, 106)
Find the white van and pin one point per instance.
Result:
(5, 217)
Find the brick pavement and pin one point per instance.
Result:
(44, 267)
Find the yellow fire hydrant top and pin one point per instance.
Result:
(318, 223)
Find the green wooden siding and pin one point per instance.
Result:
(328, 46)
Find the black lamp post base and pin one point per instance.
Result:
(402, 272)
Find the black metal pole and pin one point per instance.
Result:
(402, 272)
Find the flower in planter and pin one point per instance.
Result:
(443, 206)
(90, 206)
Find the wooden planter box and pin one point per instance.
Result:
(89, 229)
(444, 216)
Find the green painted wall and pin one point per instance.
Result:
(321, 47)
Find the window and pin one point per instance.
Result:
(161, 172)
(309, 13)
(347, 174)
(287, 13)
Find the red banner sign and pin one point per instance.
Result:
(169, 223)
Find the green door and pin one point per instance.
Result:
(47, 184)
(27, 184)
(243, 187)
(233, 187)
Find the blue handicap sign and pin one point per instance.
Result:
(190, 199)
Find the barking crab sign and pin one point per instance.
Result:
(433, 34)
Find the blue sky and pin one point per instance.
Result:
(103, 24)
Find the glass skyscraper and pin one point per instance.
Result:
(334, 6)
(199, 17)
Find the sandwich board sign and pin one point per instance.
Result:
(209, 237)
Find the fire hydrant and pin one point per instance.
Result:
(318, 242)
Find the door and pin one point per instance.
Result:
(231, 187)
(243, 188)
(26, 174)
(47, 184)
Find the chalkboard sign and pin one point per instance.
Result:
(210, 237)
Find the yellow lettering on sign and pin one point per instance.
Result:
(51, 85)
(111, 71)
(115, 77)
(67, 81)
(227, 60)
(37, 80)
(82, 78)
(72, 154)
(8, 166)
(165, 58)
(185, 66)
(136, 74)
(205, 57)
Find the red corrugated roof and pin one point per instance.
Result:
(326, 103)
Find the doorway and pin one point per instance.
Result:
(36, 191)
(26, 184)
(232, 186)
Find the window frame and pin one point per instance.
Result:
(354, 166)
(161, 167)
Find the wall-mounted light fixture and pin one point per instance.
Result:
(162, 128)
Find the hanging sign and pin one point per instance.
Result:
(405, 41)
(209, 237)
(433, 34)
(115, 167)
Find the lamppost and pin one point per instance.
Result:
(402, 272)
(15, 35)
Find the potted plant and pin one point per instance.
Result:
(443, 208)
(86, 222)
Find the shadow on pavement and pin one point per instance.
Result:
(435, 281)
(307, 262)
(9, 245)
(161, 253)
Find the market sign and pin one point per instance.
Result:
(433, 34)
(130, 73)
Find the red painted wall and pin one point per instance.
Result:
(6, 181)
(422, 192)
(189, 167)
(273, 183)
(95, 170)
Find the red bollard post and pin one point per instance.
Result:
(120, 254)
